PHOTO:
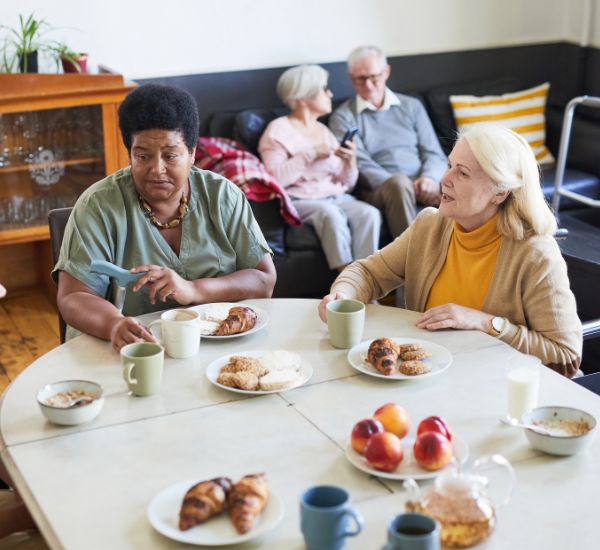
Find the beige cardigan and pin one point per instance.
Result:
(529, 287)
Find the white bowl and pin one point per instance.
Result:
(563, 423)
(78, 414)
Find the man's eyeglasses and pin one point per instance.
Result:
(362, 80)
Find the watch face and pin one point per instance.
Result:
(498, 323)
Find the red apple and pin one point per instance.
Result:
(384, 451)
(432, 451)
(394, 419)
(362, 432)
(434, 424)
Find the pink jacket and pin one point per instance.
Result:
(292, 159)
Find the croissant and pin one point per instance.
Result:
(246, 501)
(203, 501)
(383, 354)
(240, 319)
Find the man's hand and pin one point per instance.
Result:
(163, 283)
(427, 191)
(455, 316)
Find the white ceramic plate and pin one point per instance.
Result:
(163, 514)
(262, 319)
(440, 359)
(408, 468)
(213, 370)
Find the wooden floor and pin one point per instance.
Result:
(28, 329)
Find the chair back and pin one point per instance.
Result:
(57, 220)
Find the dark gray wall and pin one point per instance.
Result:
(570, 69)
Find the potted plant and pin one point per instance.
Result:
(72, 62)
(25, 43)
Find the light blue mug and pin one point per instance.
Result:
(326, 516)
(413, 532)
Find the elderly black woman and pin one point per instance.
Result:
(190, 232)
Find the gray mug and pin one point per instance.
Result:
(325, 517)
(346, 322)
(413, 532)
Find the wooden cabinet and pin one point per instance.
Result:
(58, 135)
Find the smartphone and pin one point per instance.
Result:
(349, 135)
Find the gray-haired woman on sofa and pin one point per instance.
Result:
(318, 173)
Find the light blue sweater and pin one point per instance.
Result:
(399, 140)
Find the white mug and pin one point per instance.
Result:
(180, 332)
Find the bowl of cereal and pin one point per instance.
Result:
(71, 402)
(569, 430)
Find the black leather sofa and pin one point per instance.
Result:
(301, 266)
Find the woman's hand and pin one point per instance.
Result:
(455, 316)
(347, 152)
(323, 150)
(326, 300)
(128, 330)
(163, 283)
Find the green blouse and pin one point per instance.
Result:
(219, 235)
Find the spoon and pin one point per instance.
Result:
(516, 424)
(82, 398)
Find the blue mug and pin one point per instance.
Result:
(413, 532)
(325, 517)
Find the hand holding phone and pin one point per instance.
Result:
(349, 135)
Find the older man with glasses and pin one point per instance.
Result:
(399, 156)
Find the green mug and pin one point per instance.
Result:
(346, 322)
(143, 367)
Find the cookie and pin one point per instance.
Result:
(413, 368)
(242, 380)
(415, 355)
(409, 347)
(239, 363)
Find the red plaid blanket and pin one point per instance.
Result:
(231, 160)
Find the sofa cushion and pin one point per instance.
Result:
(302, 238)
(251, 123)
(438, 101)
(522, 111)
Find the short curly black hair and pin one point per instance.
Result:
(156, 106)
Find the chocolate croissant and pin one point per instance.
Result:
(203, 501)
(240, 319)
(383, 354)
(246, 501)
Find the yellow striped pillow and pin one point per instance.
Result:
(521, 111)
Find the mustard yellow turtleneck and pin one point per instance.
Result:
(470, 263)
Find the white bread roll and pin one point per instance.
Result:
(279, 380)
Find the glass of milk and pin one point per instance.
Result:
(522, 384)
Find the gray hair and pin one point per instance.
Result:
(508, 160)
(358, 54)
(301, 82)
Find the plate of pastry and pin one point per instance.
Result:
(229, 320)
(409, 468)
(259, 372)
(216, 512)
(399, 358)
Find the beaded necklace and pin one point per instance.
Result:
(183, 210)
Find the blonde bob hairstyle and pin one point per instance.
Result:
(301, 82)
(508, 160)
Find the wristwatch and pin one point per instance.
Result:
(498, 325)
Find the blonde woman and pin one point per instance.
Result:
(317, 172)
(486, 260)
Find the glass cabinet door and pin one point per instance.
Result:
(47, 158)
